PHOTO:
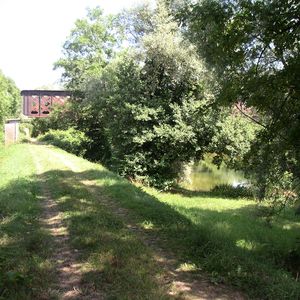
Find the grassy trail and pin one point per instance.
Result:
(177, 283)
(83, 245)
(63, 257)
(25, 247)
(91, 259)
(78, 231)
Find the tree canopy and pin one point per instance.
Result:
(157, 100)
(9, 98)
(88, 49)
(252, 47)
(149, 84)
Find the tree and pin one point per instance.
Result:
(253, 49)
(10, 100)
(88, 49)
(232, 139)
(91, 46)
(156, 105)
(136, 22)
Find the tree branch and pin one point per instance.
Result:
(248, 116)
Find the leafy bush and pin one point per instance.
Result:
(10, 98)
(155, 106)
(1, 136)
(232, 139)
(71, 140)
(25, 131)
(232, 192)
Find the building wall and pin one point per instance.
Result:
(11, 132)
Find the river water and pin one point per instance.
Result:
(204, 176)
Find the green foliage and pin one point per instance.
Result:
(275, 171)
(26, 126)
(227, 190)
(70, 140)
(155, 105)
(10, 102)
(41, 125)
(253, 49)
(10, 99)
(139, 103)
(88, 49)
(61, 117)
(25, 129)
(137, 22)
(232, 139)
(80, 115)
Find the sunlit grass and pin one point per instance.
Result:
(226, 238)
(113, 260)
(25, 270)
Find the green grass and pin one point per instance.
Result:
(226, 238)
(24, 247)
(113, 260)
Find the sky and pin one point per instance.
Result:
(32, 33)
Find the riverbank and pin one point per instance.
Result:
(220, 240)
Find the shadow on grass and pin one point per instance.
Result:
(232, 245)
(25, 246)
(114, 261)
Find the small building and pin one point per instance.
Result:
(11, 129)
(38, 103)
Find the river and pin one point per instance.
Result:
(204, 176)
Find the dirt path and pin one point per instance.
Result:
(64, 258)
(180, 283)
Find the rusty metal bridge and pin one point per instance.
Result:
(38, 103)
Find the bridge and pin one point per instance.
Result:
(38, 103)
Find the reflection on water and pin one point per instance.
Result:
(205, 176)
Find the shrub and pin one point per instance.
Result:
(233, 192)
(24, 126)
(25, 131)
(71, 140)
(155, 106)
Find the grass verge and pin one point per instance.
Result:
(227, 238)
(224, 237)
(114, 262)
(25, 270)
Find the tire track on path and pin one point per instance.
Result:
(181, 284)
(65, 259)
